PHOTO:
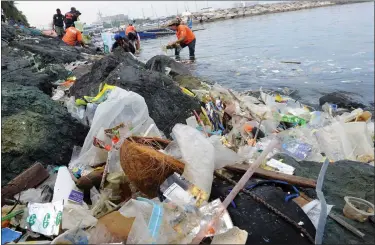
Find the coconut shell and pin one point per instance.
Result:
(146, 167)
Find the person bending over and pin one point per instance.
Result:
(124, 43)
(73, 37)
(185, 38)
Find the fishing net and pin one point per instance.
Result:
(146, 167)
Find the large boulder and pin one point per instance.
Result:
(35, 128)
(342, 100)
(343, 178)
(161, 62)
(89, 82)
(166, 103)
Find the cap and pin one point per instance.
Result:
(173, 22)
(72, 8)
(117, 37)
(58, 10)
(78, 13)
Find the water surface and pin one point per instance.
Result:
(335, 46)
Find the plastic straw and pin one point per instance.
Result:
(237, 188)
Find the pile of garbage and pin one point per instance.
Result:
(218, 178)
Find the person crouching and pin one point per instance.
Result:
(73, 37)
(124, 43)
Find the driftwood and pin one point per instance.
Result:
(291, 179)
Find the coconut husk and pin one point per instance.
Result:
(146, 167)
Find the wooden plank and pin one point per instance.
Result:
(262, 173)
(29, 178)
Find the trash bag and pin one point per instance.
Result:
(350, 141)
(198, 154)
(223, 155)
(121, 106)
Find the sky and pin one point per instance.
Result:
(39, 13)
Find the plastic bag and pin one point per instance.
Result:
(342, 141)
(90, 112)
(30, 195)
(77, 112)
(73, 236)
(121, 106)
(139, 233)
(198, 155)
(223, 155)
(74, 213)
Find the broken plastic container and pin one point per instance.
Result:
(358, 209)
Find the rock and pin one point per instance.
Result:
(264, 226)
(341, 99)
(8, 33)
(35, 128)
(166, 103)
(160, 62)
(188, 81)
(20, 67)
(50, 50)
(88, 84)
(343, 178)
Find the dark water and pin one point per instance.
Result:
(335, 46)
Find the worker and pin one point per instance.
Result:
(71, 17)
(124, 43)
(185, 37)
(73, 37)
(133, 40)
(58, 23)
(129, 29)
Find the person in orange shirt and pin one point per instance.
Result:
(129, 29)
(185, 38)
(73, 37)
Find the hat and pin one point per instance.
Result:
(117, 37)
(173, 22)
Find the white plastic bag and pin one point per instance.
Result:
(198, 155)
(121, 106)
(74, 214)
(341, 141)
(73, 236)
(223, 155)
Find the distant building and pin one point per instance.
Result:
(118, 17)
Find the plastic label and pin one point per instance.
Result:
(45, 218)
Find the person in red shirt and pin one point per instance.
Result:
(73, 37)
(185, 38)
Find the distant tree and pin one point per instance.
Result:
(11, 12)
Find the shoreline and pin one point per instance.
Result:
(262, 9)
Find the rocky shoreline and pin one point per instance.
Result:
(261, 9)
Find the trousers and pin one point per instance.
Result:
(191, 47)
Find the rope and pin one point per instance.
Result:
(270, 207)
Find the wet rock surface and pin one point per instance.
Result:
(343, 178)
(166, 103)
(161, 62)
(33, 127)
(342, 100)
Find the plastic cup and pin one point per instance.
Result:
(358, 209)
